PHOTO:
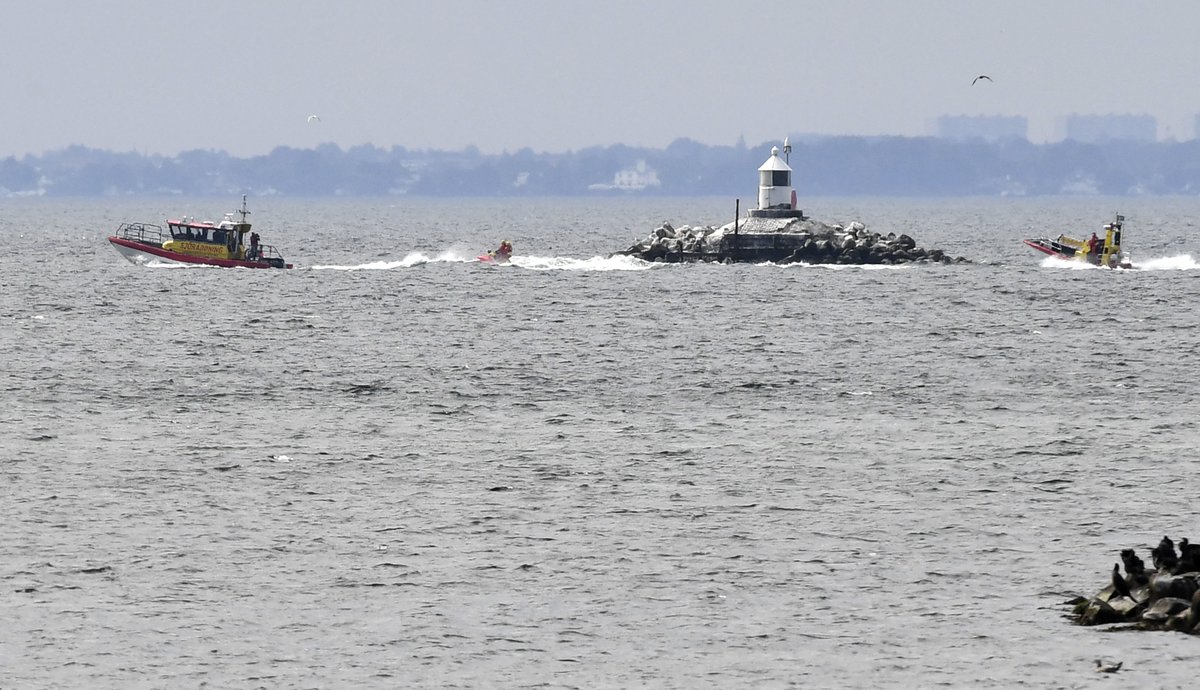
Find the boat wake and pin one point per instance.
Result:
(1068, 264)
(450, 256)
(174, 265)
(596, 263)
(1182, 262)
(532, 263)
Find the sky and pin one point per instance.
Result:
(165, 76)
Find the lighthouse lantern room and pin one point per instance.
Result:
(776, 198)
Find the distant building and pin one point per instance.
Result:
(986, 127)
(1094, 129)
(634, 179)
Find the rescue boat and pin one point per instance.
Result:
(1098, 251)
(188, 241)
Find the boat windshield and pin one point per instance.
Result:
(191, 233)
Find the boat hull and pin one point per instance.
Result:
(142, 253)
(1053, 248)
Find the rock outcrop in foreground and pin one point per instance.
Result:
(783, 240)
(1164, 598)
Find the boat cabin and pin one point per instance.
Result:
(225, 240)
(182, 230)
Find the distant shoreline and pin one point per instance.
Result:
(836, 166)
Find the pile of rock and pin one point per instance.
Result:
(782, 240)
(1165, 598)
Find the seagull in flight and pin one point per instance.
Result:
(314, 118)
(982, 76)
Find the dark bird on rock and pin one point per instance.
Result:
(1119, 585)
(1135, 569)
(1163, 555)
(1189, 557)
(982, 76)
(1101, 667)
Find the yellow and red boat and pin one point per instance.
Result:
(188, 241)
(1098, 251)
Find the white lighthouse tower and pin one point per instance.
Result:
(776, 198)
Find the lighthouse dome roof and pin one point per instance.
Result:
(774, 162)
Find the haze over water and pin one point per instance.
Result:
(395, 467)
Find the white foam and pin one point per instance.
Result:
(1068, 264)
(1183, 262)
(532, 263)
(410, 260)
(155, 263)
(564, 263)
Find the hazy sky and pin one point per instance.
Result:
(162, 76)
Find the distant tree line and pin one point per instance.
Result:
(824, 166)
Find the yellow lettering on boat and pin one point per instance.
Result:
(208, 251)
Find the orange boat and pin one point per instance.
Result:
(188, 241)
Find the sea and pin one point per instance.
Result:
(394, 466)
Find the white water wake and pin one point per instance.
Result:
(596, 263)
(173, 265)
(450, 256)
(532, 263)
(1067, 264)
(1182, 262)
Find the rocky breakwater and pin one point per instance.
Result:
(1166, 597)
(782, 240)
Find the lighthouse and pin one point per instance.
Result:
(776, 198)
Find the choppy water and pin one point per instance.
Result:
(394, 468)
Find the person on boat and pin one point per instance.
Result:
(505, 251)
(1092, 242)
(253, 246)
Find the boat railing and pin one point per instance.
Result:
(146, 233)
(266, 252)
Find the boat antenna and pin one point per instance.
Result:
(243, 209)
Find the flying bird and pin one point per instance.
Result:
(314, 118)
(982, 76)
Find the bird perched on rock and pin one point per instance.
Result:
(1163, 556)
(1135, 568)
(1189, 557)
(1119, 584)
(1102, 667)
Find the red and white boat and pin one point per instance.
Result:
(188, 241)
